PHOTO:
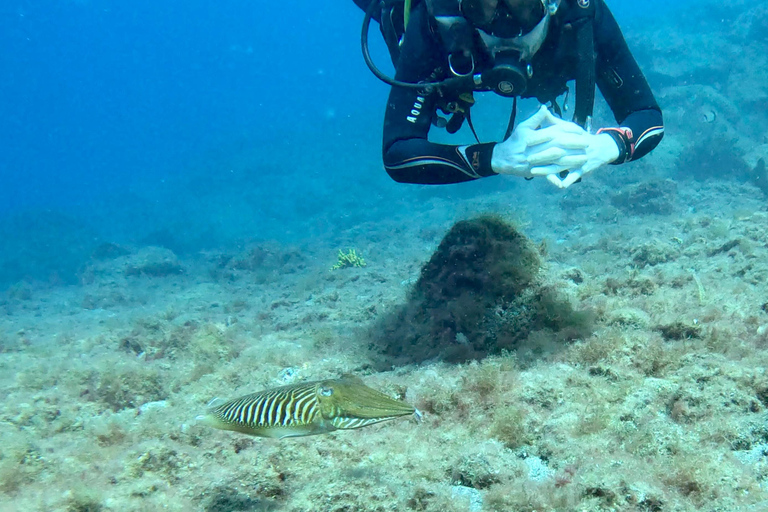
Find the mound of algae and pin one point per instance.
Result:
(479, 293)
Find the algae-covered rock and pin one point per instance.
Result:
(230, 499)
(110, 262)
(628, 317)
(646, 198)
(713, 157)
(679, 331)
(478, 294)
(153, 262)
(653, 253)
(486, 256)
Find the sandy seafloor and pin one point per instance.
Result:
(101, 382)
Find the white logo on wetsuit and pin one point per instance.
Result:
(416, 110)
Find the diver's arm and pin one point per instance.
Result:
(626, 90)
(409, 157)
(427, 163)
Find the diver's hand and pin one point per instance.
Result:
(601, 149)
(566, 140)
(541, 142)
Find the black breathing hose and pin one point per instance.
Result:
(376, 71)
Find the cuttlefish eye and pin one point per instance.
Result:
(326, 391)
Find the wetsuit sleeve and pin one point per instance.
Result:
(409, 157)
(641, 126)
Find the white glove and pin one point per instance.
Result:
(542, 142)
(601, 149)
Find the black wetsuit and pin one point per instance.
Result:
(410, 158)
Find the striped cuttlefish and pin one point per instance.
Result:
(306, 409)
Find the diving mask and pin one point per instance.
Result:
(511, 55)
(507, 18)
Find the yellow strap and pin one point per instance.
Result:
(406, 13)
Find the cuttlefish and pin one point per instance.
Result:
(306, 408)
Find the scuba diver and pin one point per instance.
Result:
(446, 50)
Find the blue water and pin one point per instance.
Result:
(98, 94)
(232, 118)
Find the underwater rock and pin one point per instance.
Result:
(104, 299)
(724, 248)
(713, 157)
(478, 294)
(628, 317)
(634, 285)
(229, 499)
(759, 176)
(179, 241)
(265, 261)
(153, 262)
(679, 331)
(647, 198)
(109, 251)
(20, 291)
(582, 197)
(474, 472)
(574, 275)
(653, 253)
(148, 261)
